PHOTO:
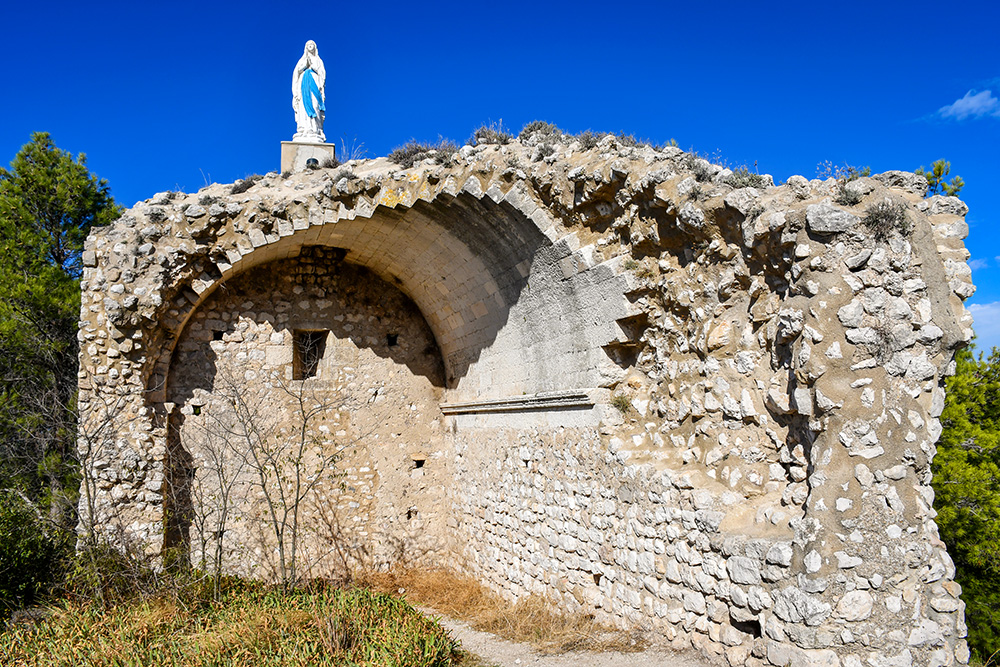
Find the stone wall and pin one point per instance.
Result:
(645, 392)
(375, 395)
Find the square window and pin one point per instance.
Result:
(310, 346)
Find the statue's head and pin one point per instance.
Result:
(311, 47)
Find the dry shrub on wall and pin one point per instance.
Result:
(886, 217)
(413, 151)
(532, 620)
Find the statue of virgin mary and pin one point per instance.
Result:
(308, 96)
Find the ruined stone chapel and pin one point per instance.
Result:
(614, 376)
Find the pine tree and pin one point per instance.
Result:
(48, 204)
(936, 183)
(967, 491)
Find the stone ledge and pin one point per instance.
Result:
(549, 400)
(295, 155)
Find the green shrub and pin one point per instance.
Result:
(742, 177)
(622, 402)
(885, 217)
(108, 575)
(847, 196)
(413, 151)
(30, 551)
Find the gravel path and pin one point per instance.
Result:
(498, 652)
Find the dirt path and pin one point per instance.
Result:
(498, 652)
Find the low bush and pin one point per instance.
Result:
(413, 151)
(242, 185)
(589, 139)
(622, 402)
(548, 131)
(494, 133)
(543, 151)
(742, 177)
(886, 217)
(846, 196)
(30, 552)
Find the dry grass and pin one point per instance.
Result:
(532, 621)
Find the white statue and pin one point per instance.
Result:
(308, 96)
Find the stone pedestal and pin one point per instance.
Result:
(295, 155)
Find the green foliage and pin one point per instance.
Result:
(967, 487)
(413, 151)
(742, 177)
(885, 217)
(252, 625)
(29, 551)
(48, 204)
(622, 403)
(936, 179)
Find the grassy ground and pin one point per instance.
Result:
(250, 625)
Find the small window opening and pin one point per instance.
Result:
(418, 463)
(310, 346)
(217, 334)
(597, 578)
(391, 339)
(312, 163)
(196, 409)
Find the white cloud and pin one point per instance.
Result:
(976, 264)
(986, 323)
(974, 105)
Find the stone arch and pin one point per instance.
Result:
(465, 257)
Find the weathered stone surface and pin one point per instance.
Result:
(794, 605)
(826, 219)
(855, 606)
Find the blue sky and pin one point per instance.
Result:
(173, 95)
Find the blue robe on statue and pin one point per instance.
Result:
(309, 90)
